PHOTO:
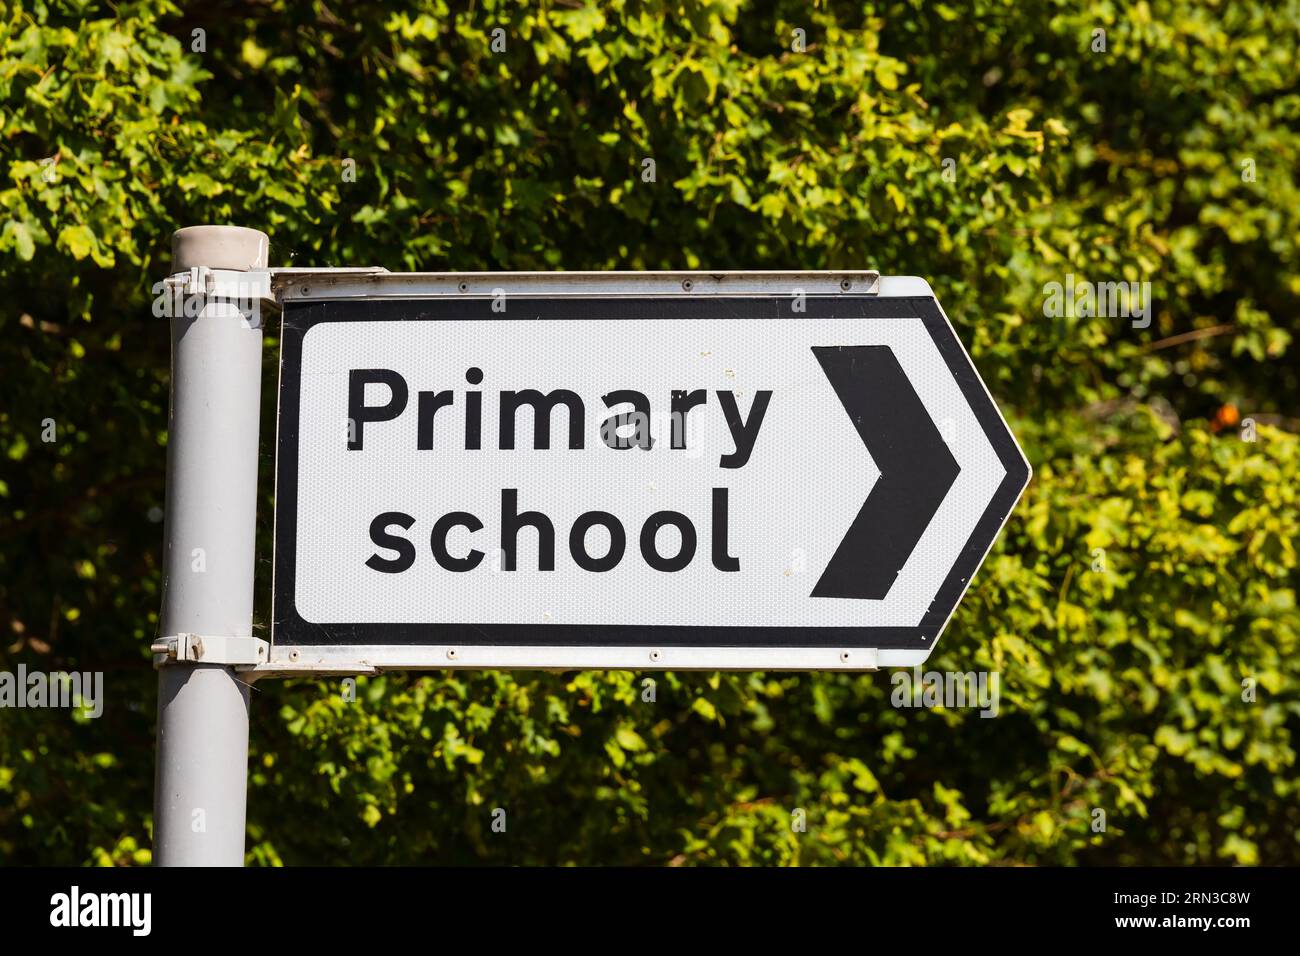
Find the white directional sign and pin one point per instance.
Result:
(630, 470)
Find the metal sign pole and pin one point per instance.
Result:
(201, 781)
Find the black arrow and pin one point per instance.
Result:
(916, 470)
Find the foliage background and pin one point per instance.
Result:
(1122, 689)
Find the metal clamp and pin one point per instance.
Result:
(207, 649)
(225, 283)
(186, 293)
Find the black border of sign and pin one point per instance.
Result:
(290, 629)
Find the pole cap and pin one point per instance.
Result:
(219, 247)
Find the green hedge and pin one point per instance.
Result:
(1154, 679)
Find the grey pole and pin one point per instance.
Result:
(202, 771)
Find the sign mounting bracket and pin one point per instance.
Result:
(291, 285)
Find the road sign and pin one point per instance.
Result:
(629, 470)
